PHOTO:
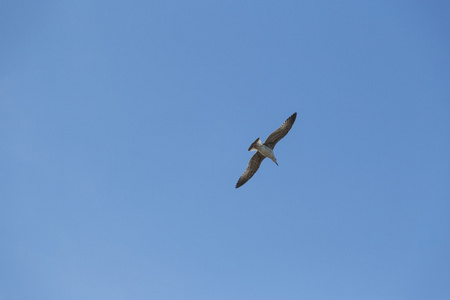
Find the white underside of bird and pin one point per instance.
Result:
(264, 150)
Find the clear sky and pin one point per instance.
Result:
(124, 127)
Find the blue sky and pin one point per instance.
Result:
(124, 128)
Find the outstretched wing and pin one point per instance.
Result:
(252, 167)
(280, 133)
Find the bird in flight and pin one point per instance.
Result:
(265, 150)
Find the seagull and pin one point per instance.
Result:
(265, 150)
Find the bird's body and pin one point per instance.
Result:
(265, 149)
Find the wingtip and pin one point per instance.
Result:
(292, 118)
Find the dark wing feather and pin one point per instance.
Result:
(253, 166)
(280, 133)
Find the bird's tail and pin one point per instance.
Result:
(254, 146)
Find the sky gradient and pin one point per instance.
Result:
(124, 128)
